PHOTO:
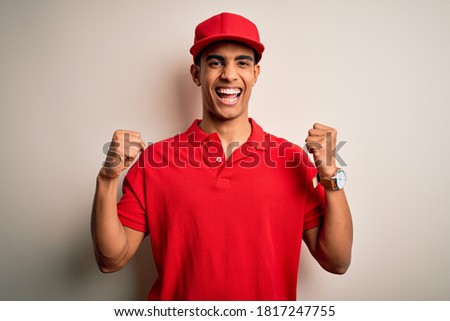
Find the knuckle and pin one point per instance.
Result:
(118, 134)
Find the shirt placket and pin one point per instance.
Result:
(213, 154)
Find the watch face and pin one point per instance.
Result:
(340, 179)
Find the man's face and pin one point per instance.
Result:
(226, 74)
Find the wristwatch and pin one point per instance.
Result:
(336, 182)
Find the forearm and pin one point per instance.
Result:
(335, 240)
(109, 235)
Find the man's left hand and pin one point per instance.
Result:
(321, 143)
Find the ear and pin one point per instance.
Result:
(195, 74)
(256, 71)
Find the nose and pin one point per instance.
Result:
(229, 73)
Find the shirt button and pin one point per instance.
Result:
(219, 159)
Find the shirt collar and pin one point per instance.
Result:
(197, 136)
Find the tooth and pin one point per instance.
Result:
(229, 91)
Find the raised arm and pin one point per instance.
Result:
(331, 243)
(114, 244)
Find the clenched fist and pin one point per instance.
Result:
(321, 143)
(125, 146)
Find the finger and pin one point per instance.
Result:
(315, 139)
(125, 136)
(114, 145)
(131, 153)
(327, 130)
(316, 132)
(126, 144)
(133, 148)
(322, 127)
(126, 131)
(313, 146)
(137, 145)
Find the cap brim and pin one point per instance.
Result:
(202, 44)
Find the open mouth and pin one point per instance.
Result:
(228, 96)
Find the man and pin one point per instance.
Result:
(226, 205)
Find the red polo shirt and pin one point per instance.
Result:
(223, 229)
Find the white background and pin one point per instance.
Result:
(71, 72)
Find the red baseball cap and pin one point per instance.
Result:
(227, 26)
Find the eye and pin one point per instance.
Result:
(216, 63)
(243, 63)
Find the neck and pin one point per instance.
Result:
(233, 133)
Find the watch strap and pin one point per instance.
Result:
(327, 183)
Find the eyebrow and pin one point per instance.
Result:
(222, 58)
(244, 57)
(218, 57)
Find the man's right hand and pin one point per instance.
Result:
(124, 148)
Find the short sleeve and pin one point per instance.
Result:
(131, 207)
(315, 200)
